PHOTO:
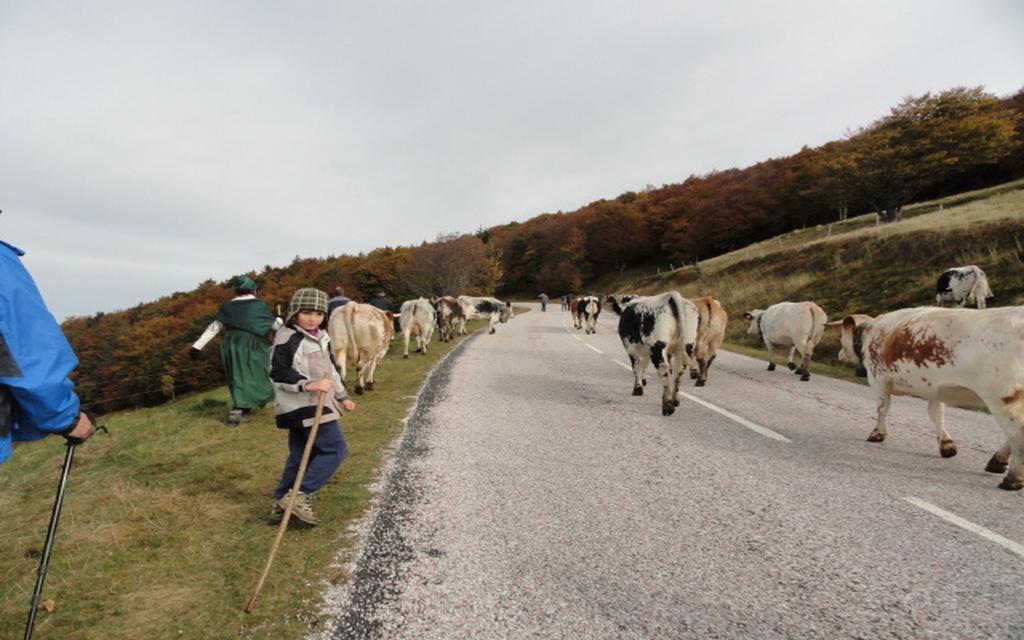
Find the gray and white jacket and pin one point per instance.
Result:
(296, 359)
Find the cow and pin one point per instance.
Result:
(663, 330)
(360, 337)
(710, 335)
(449, 317)
(490, 309)
(963, 286)
(589, 309)
(947, 355)
(798, 325)
(620, 299)
(576, 312)
(417, 318)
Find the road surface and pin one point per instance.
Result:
(533, 497)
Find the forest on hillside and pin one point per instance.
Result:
(927, 146)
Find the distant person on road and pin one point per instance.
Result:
(566, 299)
(244, 352)
(37, 397)
(384, 303)
(339, 300)
(543, 301)
(302, 366)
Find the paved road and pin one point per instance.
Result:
(533, 497)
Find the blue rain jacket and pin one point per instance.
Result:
(36, 396)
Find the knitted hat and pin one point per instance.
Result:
(308, 299)
(243, 283)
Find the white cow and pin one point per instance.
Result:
(798, 325)
(360, 336)
(417, 318)
(661, 329)
(947, 355)
(491, 309)
(963, 286)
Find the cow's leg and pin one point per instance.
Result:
(771, 357)
(639, 367)
(405, 335)
(936, 411)
(678, 368)
(789, 362)
(997, 463)
(371, 369)
(704, 366)
(660, 361)
(494, 321)
(884, 400)
(805, 363)
(1010, 416)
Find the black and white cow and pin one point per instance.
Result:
(417, 318)
(963, 286)
(589, 309)
(491, 309)
(661, 329)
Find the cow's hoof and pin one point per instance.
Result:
(359, 391)
(805, 377)
(876, 437)
(369, 386)
(947, 448)
(1015, 484)
(771, 366)
(667, 408)
(492, 332)
(676, 402)
(405, 356)
(644, 382)
(700, 383)
(792, 367)
(638, 391)
(694, 375)
(995, 466)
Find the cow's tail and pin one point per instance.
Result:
(686, 327)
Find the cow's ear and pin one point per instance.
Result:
(748, 315)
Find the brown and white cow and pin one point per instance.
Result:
(450, 317)
(661, 329)
(360, 337)
(576, 312)
(417, 318)
(963, 286)
(798, 325)
(710, 335)
(947, 355)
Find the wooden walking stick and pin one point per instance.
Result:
(291, 500)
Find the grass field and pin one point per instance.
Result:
(164, 529)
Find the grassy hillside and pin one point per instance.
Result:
(860, 267)
(165, 530)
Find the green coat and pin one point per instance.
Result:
(244, 352)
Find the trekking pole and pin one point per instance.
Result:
(44, 562)
(291, 501)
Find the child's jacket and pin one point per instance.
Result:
(298, 358)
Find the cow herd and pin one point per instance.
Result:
(941, 355)
(362, 333)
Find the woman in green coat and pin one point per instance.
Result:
(244, 351)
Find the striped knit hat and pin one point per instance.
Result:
(308, 299)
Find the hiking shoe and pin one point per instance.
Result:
(234, 417)
(303, 509)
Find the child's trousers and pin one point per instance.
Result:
(329, 449)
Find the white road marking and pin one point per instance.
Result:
(992, 536)
(623, 365)
(756, 428)
(593, 348)
(576, 338)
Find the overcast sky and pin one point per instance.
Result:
(146, 147)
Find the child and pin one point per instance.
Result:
(301, 366)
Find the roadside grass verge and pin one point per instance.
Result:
(164, 528)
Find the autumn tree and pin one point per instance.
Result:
(925, 140)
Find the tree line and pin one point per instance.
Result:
(927, 146)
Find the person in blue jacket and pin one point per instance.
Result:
(37, 398)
